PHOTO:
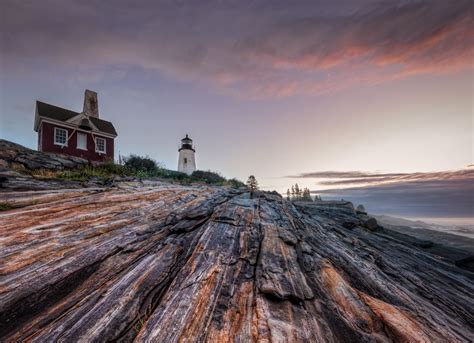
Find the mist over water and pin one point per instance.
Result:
(441, 210)
(456, 226)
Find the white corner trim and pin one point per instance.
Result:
(71, 126)
(77, 119)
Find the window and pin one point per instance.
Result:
(60, 136)
(81, 141)
(100, 145)
(185, 160)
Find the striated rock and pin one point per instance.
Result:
(349, 224)
(15, 155)
(11, 180)
(466, 262)
(155, 262)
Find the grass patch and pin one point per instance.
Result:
(5, 206)
(136, 168)
(88, 173)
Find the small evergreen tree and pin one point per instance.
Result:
(252, 184)
(306, 195)
(288, 194)
(297, 192)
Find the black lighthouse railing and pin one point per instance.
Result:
(186, 143)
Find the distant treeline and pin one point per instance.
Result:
(295, 193)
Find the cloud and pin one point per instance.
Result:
(438, 194)
(418, 35)
(252, 49)
(345, 175)
(357, 177)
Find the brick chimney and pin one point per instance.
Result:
(91, 104)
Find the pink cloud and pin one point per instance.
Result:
(248, 50)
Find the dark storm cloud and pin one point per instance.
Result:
(443, 194)
(266, 48)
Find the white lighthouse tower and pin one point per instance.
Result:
(186, 160)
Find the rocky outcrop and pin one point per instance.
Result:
(154, 262)
(369, 222)
(18, 157)
(149, 261)
(361, 209)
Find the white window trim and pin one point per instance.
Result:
(67, 136)
(97, 147)
(77, 143)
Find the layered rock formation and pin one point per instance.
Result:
(16, 162)
(154, 262)
(15, 155)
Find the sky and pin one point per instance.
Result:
(282, 90)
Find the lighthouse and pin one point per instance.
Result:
(186, 160)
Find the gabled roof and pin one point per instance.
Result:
(54, 112)
(103, 125)
(62, 114)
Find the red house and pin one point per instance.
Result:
(81, 134)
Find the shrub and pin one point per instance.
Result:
(138, 163)
(112, 168)
(171, 174)
(207, 177)
(142, 174)
(234, 183)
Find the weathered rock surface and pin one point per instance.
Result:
(153, 262)
(149, 261)
(15, 155)
(11, 180)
